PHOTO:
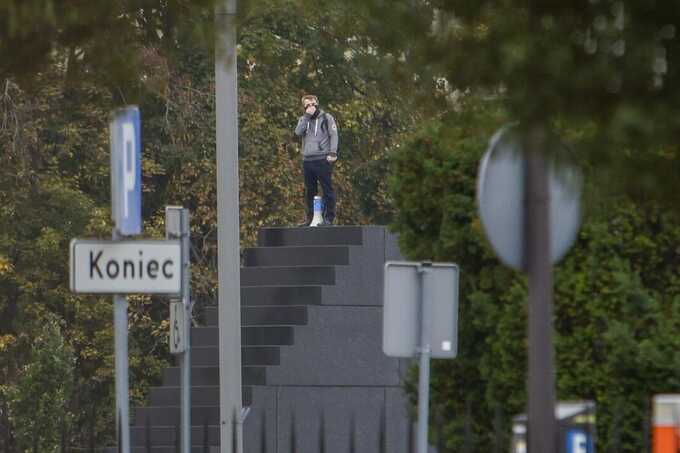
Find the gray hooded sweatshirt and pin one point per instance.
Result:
(317, 142)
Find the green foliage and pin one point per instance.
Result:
(379, 67)
(54, 187)
(104, 36)
(54, 171)
(41, 415)
(616, 293)
(290, 50)
(616, 314)
(612, 64)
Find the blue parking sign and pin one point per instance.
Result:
(126, 171)
(579, 441)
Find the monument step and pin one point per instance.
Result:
(250, 336)
(304, 236)
(167, 436)
(297, 256)
(288, 275)
(206, 395)
(210, 376)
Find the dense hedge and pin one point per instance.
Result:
(617, 294)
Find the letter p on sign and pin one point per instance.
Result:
(129, 166)
(126, 171)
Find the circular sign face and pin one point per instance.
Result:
(501, 197)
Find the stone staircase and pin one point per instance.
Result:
(311, 336)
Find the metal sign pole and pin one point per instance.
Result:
(542, 432)
(424, 374)
(126, 213)
(120, 323)
(185, 357)
(177, 226)
(531, 226)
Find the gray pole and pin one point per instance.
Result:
(228, 227)
(541, 424)
(120, 328)
(177, 226)
(424, 372)
(185, 359)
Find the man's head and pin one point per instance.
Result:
(309, 103)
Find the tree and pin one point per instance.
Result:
(54, 183)
(608, 67)
(41, 417)
(54, 188)
(104, 37)
(616, 293)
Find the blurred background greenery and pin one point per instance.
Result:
(417, 87)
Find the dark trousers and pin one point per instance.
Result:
(319, 171)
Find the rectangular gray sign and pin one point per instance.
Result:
(402, 308)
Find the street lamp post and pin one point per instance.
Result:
(226, 101)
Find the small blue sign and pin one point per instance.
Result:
(318, 205)
(579, 441)
(126, 171)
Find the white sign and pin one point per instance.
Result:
(177, 328)
(501, 198)
(124, 267)
(403, 308)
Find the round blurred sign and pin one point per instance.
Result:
(501, 197)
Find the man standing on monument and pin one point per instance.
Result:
(319, 134)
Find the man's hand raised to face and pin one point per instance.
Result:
(310, 109)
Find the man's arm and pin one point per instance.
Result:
(302, 124)
(333, 133)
